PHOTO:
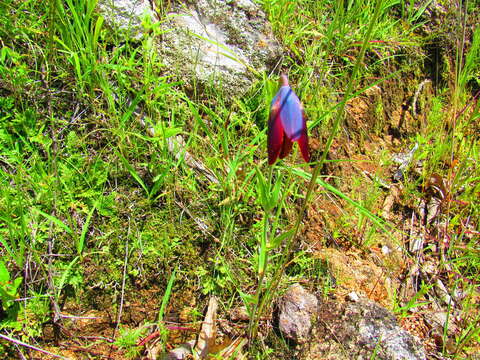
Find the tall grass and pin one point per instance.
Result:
(79, 28)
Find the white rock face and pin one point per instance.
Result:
(223, 44)
(220, 43)
(126, 15)
(211, 49)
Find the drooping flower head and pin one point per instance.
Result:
(286, 124)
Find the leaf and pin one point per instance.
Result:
(247, 298)
(65, 276)
(4, 274)
(55, 220)
(7, 247)
(276, 192)
(278, 240)
(132, 172)
(262, 190)
(98, 27)
(166, 296)
(16, 284)
(81, 241)
(173, 131)
(131, 109)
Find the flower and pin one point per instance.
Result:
(286, 124)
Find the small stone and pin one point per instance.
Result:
(353, 296)
(239, 314)
(295, 311)
(184, 351)
(386, 250)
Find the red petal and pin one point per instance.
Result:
(303, 144)
(275, 134)
(286, 147)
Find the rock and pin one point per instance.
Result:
(126, 15)
(357, 331)
(219, 42)
(438, 320)
(353, 296)
(404, 159)
(239, 314)
(386, 250)
(183, 351)
(416, 244)
(295, 311)
(223, 43)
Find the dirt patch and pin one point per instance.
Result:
(89, 333)
(363, 276)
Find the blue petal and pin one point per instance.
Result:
(291, 113)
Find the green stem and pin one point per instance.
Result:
(255, 315)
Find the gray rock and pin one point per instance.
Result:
(126, 15)
(295, 311)
(219, 42)
(359, 330)
(438, 320)
(353, 296)
(183, 351)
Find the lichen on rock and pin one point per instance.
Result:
(296, 310)
(357, 330)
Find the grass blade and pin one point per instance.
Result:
(166, 296)
(133, 172)
(81, 240)
(55, 220)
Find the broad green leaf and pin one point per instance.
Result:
(4, 274)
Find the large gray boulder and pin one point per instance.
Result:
(223, 44)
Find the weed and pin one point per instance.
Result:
(128, 339)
